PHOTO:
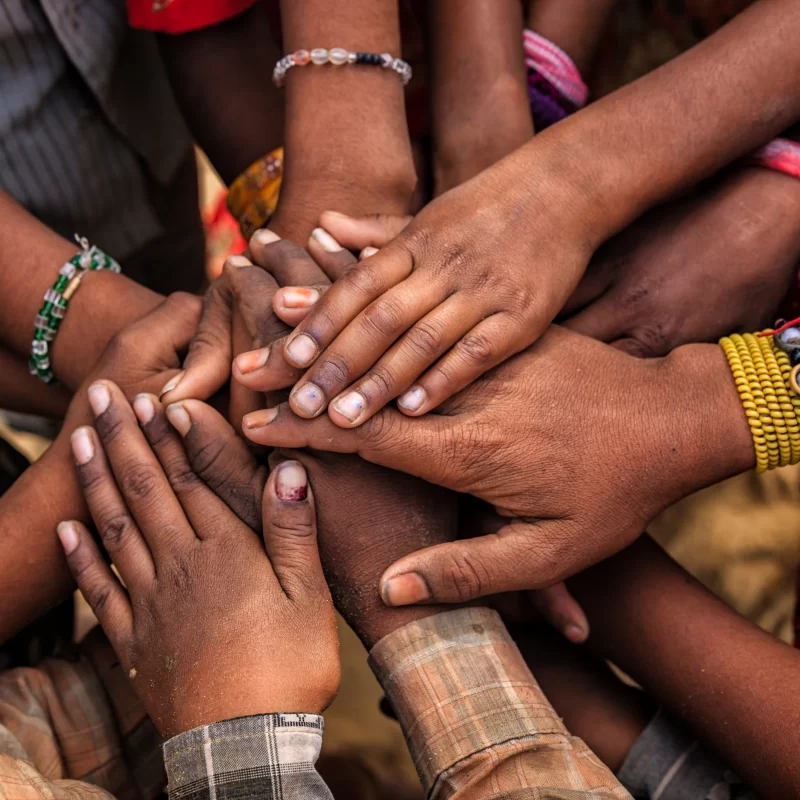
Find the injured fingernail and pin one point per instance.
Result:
(309, 397)
(143, 408)
(265, 237)
(367, 252)
(291, 482)
(302, 350)
(258, 419)
(68, 536)
(350, 405)
(179, 418)
(405, 590)
(296, 297)
(82, 445)
(326, 241)
(172, 384)
(253, 360)
(413, 399)
(99, 398)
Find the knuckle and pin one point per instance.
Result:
(364, 280)
(477, 349)
(97, 596)
(379, 383)
(335, 370)
(208, 460)
(183, 479)
(109, 425)
(464, 576)
(139, 481)
(115, 530)
(425, 339)
(183, 302)
(385, 317)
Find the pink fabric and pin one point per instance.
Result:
(552, 63)
(782, 155)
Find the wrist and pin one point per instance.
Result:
(104, 304)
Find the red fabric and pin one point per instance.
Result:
(182, 16)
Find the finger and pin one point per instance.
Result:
(107, 599)
(518, 557)
(221, 459)
(290, 531)
(285, 261)
(121, 537)
(253, 292)
(488, 344)
(346, 299)
(142, 483)
(242, 400)
(347, 359)
(418, 447)
(265, 369)
(403, 364)
(603, 320)
(332, 258)
(206, 367)
(563, 612)
(356, 233)
(292, 303)
(202, 507)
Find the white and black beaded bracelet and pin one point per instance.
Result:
(338, 56)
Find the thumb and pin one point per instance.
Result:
(356, 233)
(290, 531)
(517, 557)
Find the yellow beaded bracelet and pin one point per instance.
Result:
(762, 373)
(253, 196)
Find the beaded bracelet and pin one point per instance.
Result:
(339, 56)
(763, 374)
(253, 196)
(56, 300)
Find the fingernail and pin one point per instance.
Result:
(405, 590)
(302, 350)
(258, 419)
(99, 398)
(265, 237)
(255, 359)
(143, 408)
(336, 214)
(296, 297)
(82, 446)
(413, 399)
(238, 261)
(68, 537)
(326, 241)
(309, 397)
(291, 482)
(576, 634)
(367, 252)
(350, 405)
(172, 384)
(179, 418)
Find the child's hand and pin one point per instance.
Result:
(211, 626)
(476, 277)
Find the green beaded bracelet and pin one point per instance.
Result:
(56, 300)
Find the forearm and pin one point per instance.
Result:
(220, 76)
(701, 660)
(32, 254)
(576, 26)
(676, 125)
(21, 391)
(346, 136)
(478, 92)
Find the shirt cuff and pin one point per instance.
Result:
(270, 755)
(459, 685)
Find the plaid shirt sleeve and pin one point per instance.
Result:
(475, 720)
(270, 757)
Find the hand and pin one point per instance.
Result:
(211, 626)
(476, 277)
(695, 270)
(579, 444)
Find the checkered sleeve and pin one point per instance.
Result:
(475, 720)
(270, 757)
